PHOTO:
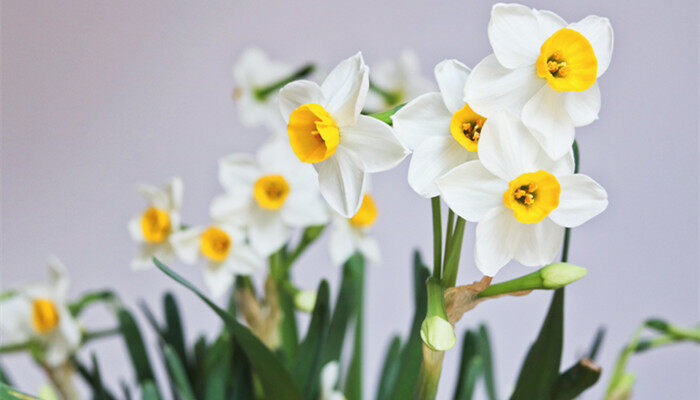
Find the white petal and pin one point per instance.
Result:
(304, 209)
(174, 188)
(58, 278)
(244, 261)
(345, 89)
(342, 181)
(329, 376)
(471, 191)
(56, 353)
(231, 208)
(583, 107)
(135, 230)
(155, 196)
(374, 142)
(238, 173)
(143, 259)
(451, 76)
(368, 246)
(267, 231)
(581, 199)
(186, 244)
(562, 166)
(498, 235)
(16, 323)
(342, 243)
(506, 147)
(549, 23)
(433, 158)
(69, 328)
(491, 87)
(540, 243)
(425, 116)
(217, 278)
(599, 33)
(514, 33)
(298, 93)
(549, 121)
(276, 156)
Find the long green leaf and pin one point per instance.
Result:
(92, 378)
(576, 380)
(597, 342)
(306, 365)
(135, 346)
(353, 381)
(76, 307)
(198, 364)
(275, 380)
(177, 371)
(241, 375)
(175, 335)
(390, 369)
(4, 378)
(487, 358)
(126, 391)
(540, 371)
(8, 393)
(149, 391)
(217, 366)
(470, 366)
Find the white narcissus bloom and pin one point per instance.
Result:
(440, 128)
(152, 228)
(326, 129)
(544, 71)
(225, 249)
(399, 77)
(351, 235)
(269, 195)
(39, 313)
(329, 380)
(521, 199)
(253, 71)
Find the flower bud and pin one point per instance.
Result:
(558, 275)
(305, 300)
(437, 333)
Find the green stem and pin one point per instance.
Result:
(437, 237)
(262, 93)
(429, 377)
(449, 232)
(455, 250)
(309, 236)
(87, 337)
(386, 115)
(621, 364)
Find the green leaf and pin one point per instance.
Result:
(217, 366)
(353, 381)
(390, 369)
(242, 375)
(386, 115)
(197, 364)
(597, 341)
(125, 390)
(4, 378)
(93, 378)
(470, 366)
(177, 372)
(135, 346)
(149, 391)
(274, 379)
(576, 380)
(174, 332)
(8, 393)
(540, 371)
(486, 357)
(289, 334)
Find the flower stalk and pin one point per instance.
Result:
(553, 276)
(261, 94)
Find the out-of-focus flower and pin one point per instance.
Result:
(350, 235)
(329, 380)
(39, 314)
(520, 197)
(152, 228)
(544, 71)
(440, 128)
(326, 129)
(396, 81)
(225, 249)
(269, 195)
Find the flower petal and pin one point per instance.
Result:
(155, 196)
(237, 173)
(514, 33)
(599, 33)
(231, 208)
(298, 93)
(303, 209)
(368, 246)
(549, 121)
(506, 147)
(471, 191)
(342, 181)
(68, 326)
(562, 166)
(425, 116)
(135, 230)
(186, 244)
(498, 236)
(342, 243)
(217, 278)
(549, 23)
(451, 76)
(433, 158)
(243, 260)
(174, 188)
(540, 243)
(267, 231)
(345, 89)
(583, 107)
(581, 199)
(374, 142)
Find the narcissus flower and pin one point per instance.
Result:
(152, 228)
(396, 81)
(269, 195)
(326, 130)
(440, 128)
(329, 380)
(39, 314)
(223, 247)
(521, 199)
(544, 71)
(351, 235)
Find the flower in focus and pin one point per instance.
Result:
(225, 249)
(396, 81)
(255, 71)
(152, 228)
(544, 71)
(440, 128)
(269, 195)
(351, 235)
(39, 314)
(521, 199)
(326, 129)
(329, 381)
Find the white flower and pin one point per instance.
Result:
(326, 129)
(351, 235)
(156, 223)
(440, 128)
(254, 71)
(39, 313)
(329, 380)
(521, 199)
(269, 195)
(544, 71)
(225, 249)
(399, 77)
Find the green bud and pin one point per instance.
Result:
(305, 300)
(437, 333)
(558, 275)
(623, 389)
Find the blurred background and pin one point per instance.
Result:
(99, 96)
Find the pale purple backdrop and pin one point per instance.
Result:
(99, 97)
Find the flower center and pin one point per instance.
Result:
(465, 127)
(567, 61)
(367, 213)
(532, 196)
(270, 191)
(44, 315)
(155, 225)
(215, 244)
(313, 133)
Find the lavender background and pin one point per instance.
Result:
(97, 96)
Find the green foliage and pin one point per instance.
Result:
(8, 393)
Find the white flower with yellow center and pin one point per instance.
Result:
(326, 130)
(152, 228)
(544, 71)
(269, 195)
(399, 79)
(440, 128)
(39, 313)
(224, 248)
(329, 380)
(351, 235)
(521, 199)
